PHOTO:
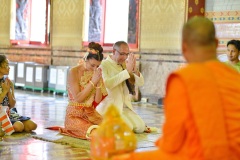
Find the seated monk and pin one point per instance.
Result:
(202, 103)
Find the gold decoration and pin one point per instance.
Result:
(169, 23)
(81, 105)
(112, 137)
(2, 133)
(4, 22)
(67, 23)
(190, 9)
(202, 10)
(85, 78)
(196, 2)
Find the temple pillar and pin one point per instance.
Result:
(161, 23)
(5, 16)
(67, 24)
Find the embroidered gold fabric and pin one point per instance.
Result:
(85, 78)
(72, 103)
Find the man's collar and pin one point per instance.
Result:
(109, 58)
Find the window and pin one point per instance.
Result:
(108, 21)
(31, 25)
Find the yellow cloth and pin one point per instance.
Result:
(114, 79)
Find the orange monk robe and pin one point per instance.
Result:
(202, 109)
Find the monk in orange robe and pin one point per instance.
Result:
(202, 104)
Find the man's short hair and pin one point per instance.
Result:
(118, 44)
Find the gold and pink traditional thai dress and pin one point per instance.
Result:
(81, 118)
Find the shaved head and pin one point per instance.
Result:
(199, 31)
(199, 43)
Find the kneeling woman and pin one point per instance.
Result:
(85, 90)
(7, 98)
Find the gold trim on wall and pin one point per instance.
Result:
(161, 24)
(196, 2)
(67, 23)
(186, 10)
(5, 16)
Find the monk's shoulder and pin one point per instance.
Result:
(190, 73)
(187, 69)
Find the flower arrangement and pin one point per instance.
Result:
(92, 51)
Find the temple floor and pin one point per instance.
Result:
(47, 110)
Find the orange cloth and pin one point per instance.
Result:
(79, 119)
(6, 123)
(202, 109)
(81, 116)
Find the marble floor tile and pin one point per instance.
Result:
(47, 110)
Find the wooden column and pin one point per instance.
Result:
(196, 8)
